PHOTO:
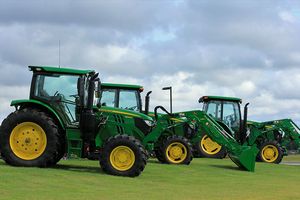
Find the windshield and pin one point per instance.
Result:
(213, 108)
(121, 98)
(108, 98)
(231, 115)
(128, 99)
(58, 90)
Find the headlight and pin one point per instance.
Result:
(149, 122)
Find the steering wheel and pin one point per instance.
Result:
(163, 109)
(74, 96)
(58, 96)
(56, 93)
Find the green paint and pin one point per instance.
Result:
(124, 112)
(209, 98)
(75, 143)
(32, 103)
(120, 86)
(60, 70)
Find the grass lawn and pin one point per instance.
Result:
(207, 179)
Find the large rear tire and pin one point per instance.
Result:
(270, 152)
(29, 138)
(61, 149)
(207, 148)
(175, 150)
(123, 155)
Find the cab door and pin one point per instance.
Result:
(60, 92)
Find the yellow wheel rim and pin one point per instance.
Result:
(28, 140)
(176, 152)
(269, 153)
(209, 146)
(122, 158)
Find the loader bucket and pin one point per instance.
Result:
(245, 158)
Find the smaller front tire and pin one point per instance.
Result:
(176, 150)
(123, 155)
(270, 152)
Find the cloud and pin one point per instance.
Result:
(8, 93)
(287, 16)
(247, 49)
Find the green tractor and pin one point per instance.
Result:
(62, 115)
(274, 138)
(113, 95)
(271, 137)
(172, 148)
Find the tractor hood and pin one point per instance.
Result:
(125, 112)
(177, 117)
(255, 124)
(183, 116)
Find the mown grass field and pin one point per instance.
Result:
(207, 179)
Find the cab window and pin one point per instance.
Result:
(108, 97)
(128, 99)
(51, 86)
(60, 91)
(213, 108)
(231, 115)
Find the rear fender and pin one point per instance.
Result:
(24, 103)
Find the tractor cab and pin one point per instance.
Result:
(227, 111)
(122, 96)
(224, 109)
(66, 91)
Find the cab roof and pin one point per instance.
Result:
(126, 86)
(207, 98)
(59, 70)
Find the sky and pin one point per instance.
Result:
(247, 49)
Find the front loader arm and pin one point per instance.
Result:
(242, 155)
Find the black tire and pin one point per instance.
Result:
(48, 156)
(180, 143)
(159, 155)
(199, 149)
(62, 145)
(134, 145)
(274, 154)
(158, 150)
